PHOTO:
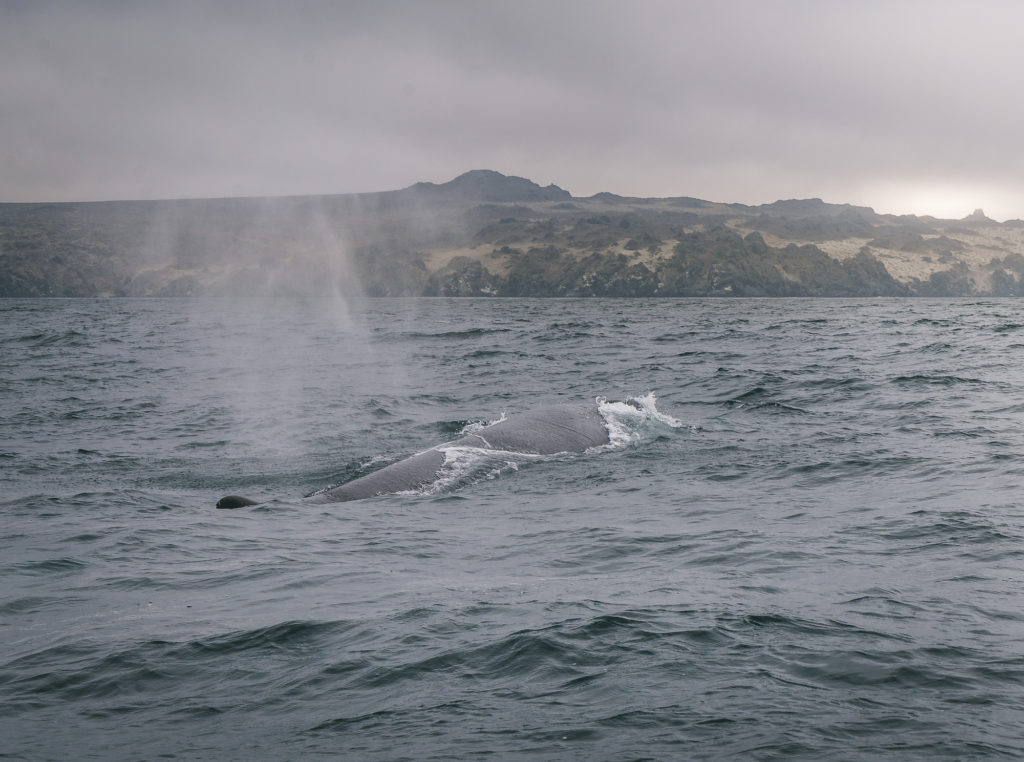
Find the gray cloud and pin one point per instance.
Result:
(905, 106)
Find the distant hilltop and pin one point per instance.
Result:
(488, 234)
(494, 187)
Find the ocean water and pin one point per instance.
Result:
(806, 543)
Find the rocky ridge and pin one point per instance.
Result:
(487, 234)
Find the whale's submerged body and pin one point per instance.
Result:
(545, 431)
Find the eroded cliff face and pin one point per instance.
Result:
(485, 234)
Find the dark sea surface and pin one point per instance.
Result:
(806, 543)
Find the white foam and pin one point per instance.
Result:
(463, 464)
(631, 421)
(476, 426)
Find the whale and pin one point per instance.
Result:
(542, 431)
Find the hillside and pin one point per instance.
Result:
(484, 233)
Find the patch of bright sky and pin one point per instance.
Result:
(945, 200)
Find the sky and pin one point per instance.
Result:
(908, 107)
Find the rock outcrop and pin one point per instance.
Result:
(486, 234)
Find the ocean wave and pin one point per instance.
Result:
(808, 545)
(47, 567)
(67, 338)
(466, 333)
(937, 379)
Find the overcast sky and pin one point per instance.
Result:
(908, 107)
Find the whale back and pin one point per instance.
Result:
(545, 431)
(411, 473)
